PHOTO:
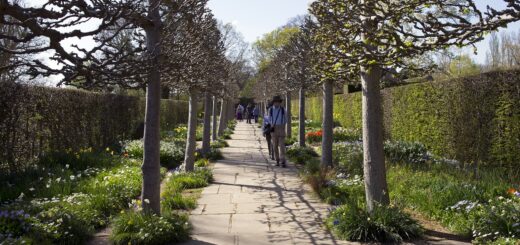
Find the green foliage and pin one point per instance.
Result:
(220, 143)
(441, 192)
(348, 157)
(140, 228)
(70, 215)
(470, 119)
(55, 174)
(406, 152)
(385, 224)
(36, 120)
(175, 184)
(214, 155)
(300, 155)
(499, 217)
(171, 153)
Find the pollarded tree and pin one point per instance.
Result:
(196, 53)
(299, 66)
(374, 35)
(47, 26)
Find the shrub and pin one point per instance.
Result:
(175, 184)
(220, 143)
(171, 153)
(348, 157)
(500, 217)
(202, 163)
(406, 152)
(343, 190)
(227, 133)
(214, 155)
(140, 228)
(300, 154)
(344, 134)
(385, 224)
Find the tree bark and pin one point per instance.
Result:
(328, 124)
(301, 117)
(223, 117)
(373, 156)
(151, 188)
(191, 142)
(214, 117)
(206, 134)
(288, 126)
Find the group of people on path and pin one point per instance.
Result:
(274, 123)
(250, 112)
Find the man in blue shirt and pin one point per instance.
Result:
(277, 119)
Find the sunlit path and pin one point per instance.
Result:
(253, 202)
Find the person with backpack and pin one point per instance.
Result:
(277, 119)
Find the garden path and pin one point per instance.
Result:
(253, 202)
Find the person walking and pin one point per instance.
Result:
(249, 113)
(256, 113)
(277, 119)
(240, 112)
(266, 130)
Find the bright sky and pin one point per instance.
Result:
(254, 18)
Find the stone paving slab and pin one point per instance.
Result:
(252, 202)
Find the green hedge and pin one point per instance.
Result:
(35, 120)
(471, 119)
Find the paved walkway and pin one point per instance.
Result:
(253, 202)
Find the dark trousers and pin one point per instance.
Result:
(270, 145)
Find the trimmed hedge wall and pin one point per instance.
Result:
(471, 119)
(35, 120)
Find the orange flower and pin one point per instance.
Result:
(511, 191)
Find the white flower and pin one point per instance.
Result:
(31, 189)
(72, 177)
(67, 166)
(147, 201)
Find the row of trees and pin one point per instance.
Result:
(352, 41)
(163, 47)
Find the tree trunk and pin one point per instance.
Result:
(191, 142)
(301, 117)
(328, 124)
(373, 156)
(223, 117)
(151, 188)
(214, 122)
(206, 134)
(288, 127)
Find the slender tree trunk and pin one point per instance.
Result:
(214, 121)
(301, 117)
(223, 117)
(328, 124)
(206, 135)
(191, 142)
(373, 156)
(150, 195)
(288, 127)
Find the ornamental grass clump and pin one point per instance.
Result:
(385, 224)
(300, 154)
(171, 152)
(133, 227)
